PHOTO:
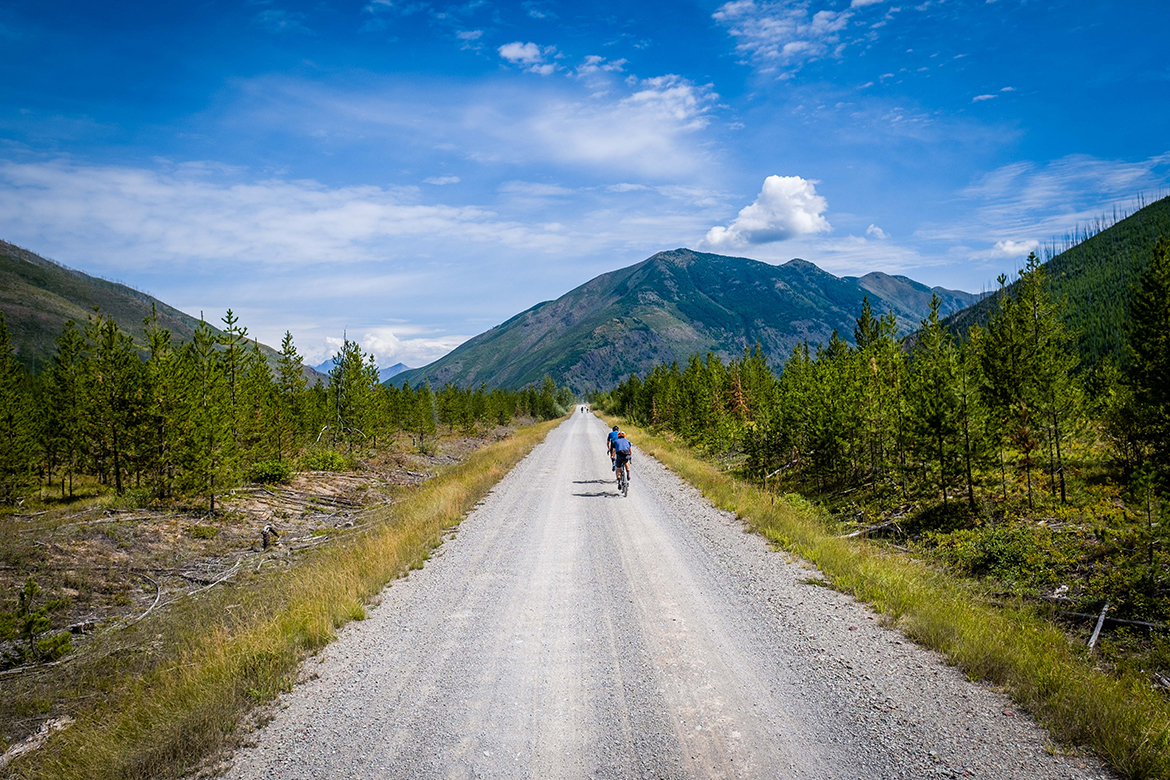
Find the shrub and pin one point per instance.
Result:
(326, 460)
(270, 472)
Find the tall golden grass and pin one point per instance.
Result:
(1122, 719)
(238, 646)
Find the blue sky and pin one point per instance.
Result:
(414, 172)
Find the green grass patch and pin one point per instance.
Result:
(1119, 717)
(175, 687)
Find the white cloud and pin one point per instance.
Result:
(398, 345)
(787, 206)
(876, 232)
(782, 33)
(441, 180)
(647, 132)
(532, 189)
(1008, 89)
(470, 39)
(597, 64)
(627, 187)
(139, 217)
(978, 98)
(862, 3)
(1009, 248)
(529, 56)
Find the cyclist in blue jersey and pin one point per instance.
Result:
(622, 454)
(609, 440)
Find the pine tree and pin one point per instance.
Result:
(15, 419)
(114, 386)
(350, 394)
(934, 400)
(291, 384)
(258, 435)
(1049, 364)
(1149, 354)
(65, 410)
(235, 349)
(210, 452)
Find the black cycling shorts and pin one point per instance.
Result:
(622, 458)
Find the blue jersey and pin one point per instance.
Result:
(613, 435)
(621, 444)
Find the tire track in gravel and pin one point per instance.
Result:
(566, 632)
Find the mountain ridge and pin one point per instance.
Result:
(1094, 279)
(671, 305)
(38, 296)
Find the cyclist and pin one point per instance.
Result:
(622, 454)
(609, 440)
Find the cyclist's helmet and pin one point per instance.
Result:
(615, 427)
(622, 435)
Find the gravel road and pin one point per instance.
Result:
(566, 632)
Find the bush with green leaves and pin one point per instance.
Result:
(326, 460)
(270, 472)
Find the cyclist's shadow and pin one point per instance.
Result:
(605, 494)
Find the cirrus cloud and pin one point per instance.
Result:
(787, 206)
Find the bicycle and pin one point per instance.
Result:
(623, 481)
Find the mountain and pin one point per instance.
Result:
(39, 296)
(393, 371)
(670, 306)
(1095, 278)
(384, 374)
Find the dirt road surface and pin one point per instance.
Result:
(566, 632)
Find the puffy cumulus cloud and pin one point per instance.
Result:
(876, 232)
(783, 34)
(1009, 248)
(788, 206)
(981, 98)
(529, 56)
(139, 217)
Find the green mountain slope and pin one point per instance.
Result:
(38, 296)
(673, 305)
(1096, 278)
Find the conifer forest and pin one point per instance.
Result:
(996, 451)
(191, 420)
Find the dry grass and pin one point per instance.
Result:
(179, 684)
(1120, 718)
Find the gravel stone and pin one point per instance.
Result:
(567, 632)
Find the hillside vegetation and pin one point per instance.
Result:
(669, 306)
(989, 456)
(1095, 277)
(39, 296)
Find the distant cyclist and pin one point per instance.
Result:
(622, 454)
(609, 440)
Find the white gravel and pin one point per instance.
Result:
(566, 632)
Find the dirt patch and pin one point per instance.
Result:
(111, 565)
